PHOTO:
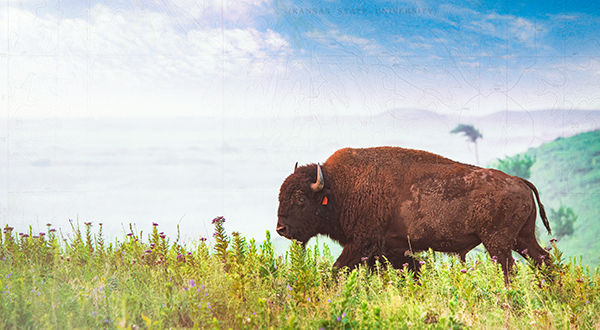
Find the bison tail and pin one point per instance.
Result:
(542, 210)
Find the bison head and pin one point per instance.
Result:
(302, 204)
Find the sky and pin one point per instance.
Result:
(290, 58)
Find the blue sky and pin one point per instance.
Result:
(289, 58)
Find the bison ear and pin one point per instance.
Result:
(318, 186)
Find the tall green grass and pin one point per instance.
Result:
(153, 282)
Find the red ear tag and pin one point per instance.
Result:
(324, 200)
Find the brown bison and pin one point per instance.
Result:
(391, 201)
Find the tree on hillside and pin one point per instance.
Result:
(563, 220)
(472, 133)
(515, 165)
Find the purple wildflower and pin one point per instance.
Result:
(218, 220)
(421, 262)
(154, 224)
(192, 283)
(203, 239)
(405, 265)
(524, 251)
(364, 258)
(463, 271)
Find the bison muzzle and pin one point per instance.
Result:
(386, 201)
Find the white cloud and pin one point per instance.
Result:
(128, 62)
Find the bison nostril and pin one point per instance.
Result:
(281, 230)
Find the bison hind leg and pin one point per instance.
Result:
(503, 256)
(529, 248)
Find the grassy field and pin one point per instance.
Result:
(567, 172)
(149, 281)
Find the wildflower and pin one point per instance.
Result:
(364, 258)
(405, 265)
(406, 253)
(162, 236)
(524, 251)
(548, 248)
(553, 240)
(52, 230)
(189, 253)
(218, 220)
(87, 223)
(289, 288)
(542, 257)
(308, 299)
(152, 245)
(339, 318)
(203, 239)
(192, 283)
(208, 305)
(148, 251)
(463, 271)
(48, 224)
(421, 262)
(42, 234)
(129, 234)
(154, 224)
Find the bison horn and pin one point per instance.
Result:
(295, 167)
(318, 186)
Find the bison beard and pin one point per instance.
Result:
(387, 201)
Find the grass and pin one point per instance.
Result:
(153, 282)
(567, 173)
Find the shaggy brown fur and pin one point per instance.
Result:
(387, 201)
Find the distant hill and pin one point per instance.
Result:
(567, 170)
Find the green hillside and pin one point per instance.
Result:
(567, 171)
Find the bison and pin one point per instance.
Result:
(390, 201)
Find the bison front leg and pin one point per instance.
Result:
(355, 254)
(350, 258)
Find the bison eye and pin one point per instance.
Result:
(301, 199)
